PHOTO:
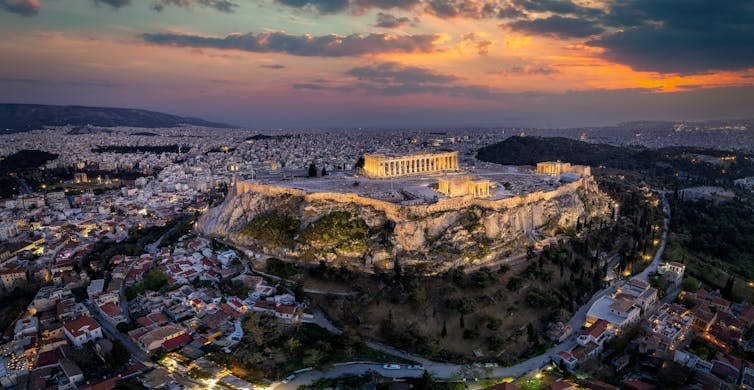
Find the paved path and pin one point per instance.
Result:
(652, 267)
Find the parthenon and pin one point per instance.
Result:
(380, 165)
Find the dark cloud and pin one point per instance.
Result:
(508, 12)
(393, 79)
(356, 6)
(114, 3)
(472, 9)
(321, 6)
(482, 45)
(391, 21)
(393, 72)
(311, 86)
(306, 45)
(220, 5)
(272, 66)
(558, 26)
(386, 4)
(21, 7)
(558, 7)
(680, 36)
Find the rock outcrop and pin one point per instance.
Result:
(448, 232)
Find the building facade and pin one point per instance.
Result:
(557, 168)
(464, 185)
(82, 330)
(380, 165)
(12, 277)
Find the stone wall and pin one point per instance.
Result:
(396, 211)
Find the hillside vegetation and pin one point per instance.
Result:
(664, 165)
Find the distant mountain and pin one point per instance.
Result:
(25, 117)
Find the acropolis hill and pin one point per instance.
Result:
(410, 209)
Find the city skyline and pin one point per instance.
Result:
(289, 63)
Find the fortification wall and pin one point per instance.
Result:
(398, 212)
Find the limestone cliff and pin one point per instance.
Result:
(449, 232)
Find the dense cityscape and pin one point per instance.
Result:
(376, 194)
(103, 261)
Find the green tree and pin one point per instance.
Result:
(690, 284)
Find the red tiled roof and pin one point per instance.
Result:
(227, 309)
(49, 358)
(144, 321)
(12, 270)
(720, 302)
(111, 309)
(177, 341)
(565, 355)
(286, 309)
(74, 327)
(157, 317)
(596, 330)
(562, 385)
(264, 305)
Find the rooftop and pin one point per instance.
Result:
(81, 326)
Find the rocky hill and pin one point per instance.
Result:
(364, 233)
(25, 117)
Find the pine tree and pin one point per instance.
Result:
(444, 331)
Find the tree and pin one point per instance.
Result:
(530, 252)
(690, 284)
(727, 291)
(324, 172)
(312, 170)
(532, 335)
(118, 356)
(444, 331)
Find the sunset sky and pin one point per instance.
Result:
(281, 63)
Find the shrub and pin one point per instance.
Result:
(272, 228)
(280, 268)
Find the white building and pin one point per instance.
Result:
(82, 330)
(95, 287)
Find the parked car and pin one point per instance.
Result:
(392, 366)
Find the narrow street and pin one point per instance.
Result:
(114, 333)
